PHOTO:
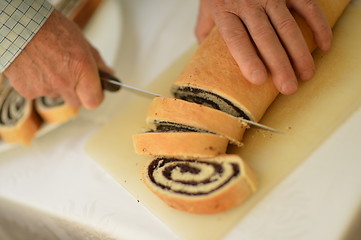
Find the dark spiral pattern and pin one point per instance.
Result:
(191, 177)
(165, 126)
(49, 102)
(12, 107)
(209, 99)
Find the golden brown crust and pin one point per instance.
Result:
(213, 68)
(56, 114)
(25, 130)
(180, 144)
(229, 196)
(196, 115)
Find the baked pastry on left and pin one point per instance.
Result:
(20, 119)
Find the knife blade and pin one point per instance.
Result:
(262, 126)
(116, 84)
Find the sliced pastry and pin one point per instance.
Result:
(176, 115)
(205, 186)
(213, 78)
(19, 121)
(55, 110)
(179, 144)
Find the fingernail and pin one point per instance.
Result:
(258, 76)
(306, 75)
(289, 87)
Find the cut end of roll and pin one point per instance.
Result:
(180, 144)
(205, 186)
(55, 110)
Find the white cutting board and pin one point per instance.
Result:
(308, 118)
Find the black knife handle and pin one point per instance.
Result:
(108, 86)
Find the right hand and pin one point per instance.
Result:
(59, 62)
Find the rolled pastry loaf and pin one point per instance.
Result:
(205, 186)
(19, 121)
(171, 114)
(55, 110)
(213, 78)
(180, 144)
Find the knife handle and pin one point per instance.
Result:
(106, 85)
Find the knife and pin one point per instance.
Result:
(262, 126)
(116, 84)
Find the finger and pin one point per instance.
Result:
(292, 39)
(315, 18)
(71, 98)
(241, 47)
(271, 50)
(205, 21)
(53, 95)
(88, 88)
(99, 61)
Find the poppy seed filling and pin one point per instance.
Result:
(166, 126)
(209, 99)
(12, 108)
(191, 177)
(51, 102)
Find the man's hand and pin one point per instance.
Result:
(262, 34)
(59, 62)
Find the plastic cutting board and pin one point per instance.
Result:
(308, 118)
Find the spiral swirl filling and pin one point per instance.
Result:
(166, 126)
(191, 177)
(209, 99)
(12, 108)
(49, 102)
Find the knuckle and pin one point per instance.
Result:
(61, 83)
(248, 8)
(262, 32)
(41, 90)
(311, 5)
(287, 24)
(81, 64)
(234, 35)
(219, 4)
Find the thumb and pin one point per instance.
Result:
(89, 89)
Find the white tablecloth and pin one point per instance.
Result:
(53, 190)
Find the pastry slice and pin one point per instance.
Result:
(179, 144)
(170, 114)
(18, 120)
(204, 186)
(55, 110)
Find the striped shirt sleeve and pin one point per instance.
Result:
(19, 22)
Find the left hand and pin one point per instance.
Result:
(262, 36)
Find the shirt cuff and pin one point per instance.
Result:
(19, 22)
